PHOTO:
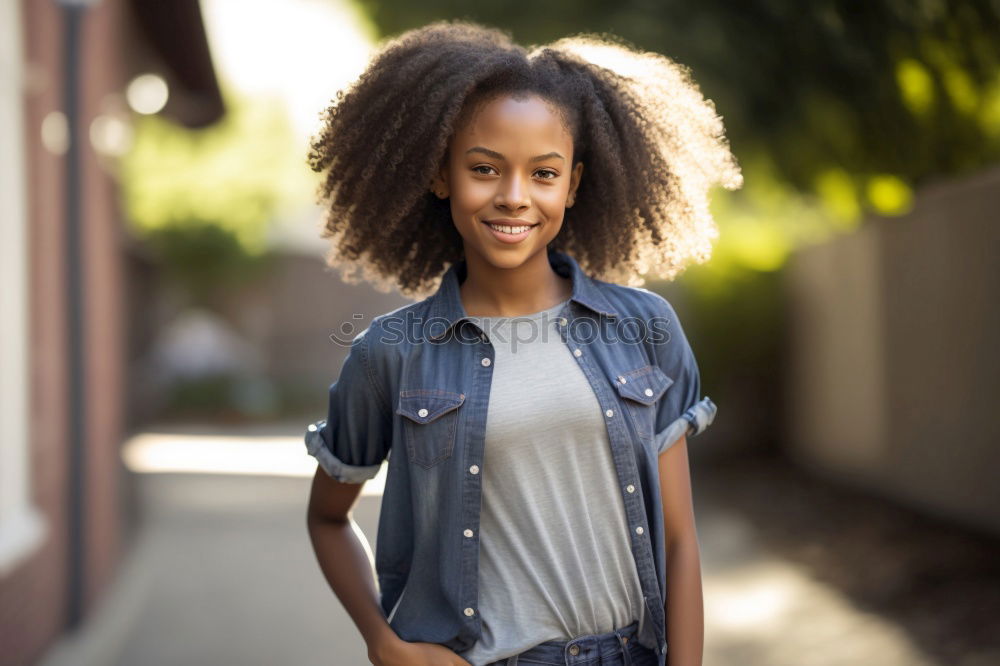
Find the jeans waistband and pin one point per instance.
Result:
(591, 648)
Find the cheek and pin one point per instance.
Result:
(552, 198)
(471, 193)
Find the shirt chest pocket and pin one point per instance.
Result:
(640, 389)
(430, 423)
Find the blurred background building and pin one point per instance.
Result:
(166, 314)
(66, 70)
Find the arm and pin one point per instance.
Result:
(684, 608)
(683, 413)
(344, 557)
(349, 446)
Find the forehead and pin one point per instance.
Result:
(515, 121)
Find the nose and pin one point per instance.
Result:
(512, 195)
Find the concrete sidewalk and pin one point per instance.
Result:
(222, 574)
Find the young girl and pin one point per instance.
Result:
(536, 401)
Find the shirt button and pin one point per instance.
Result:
(648, 391)
(574, 650)
(467, 533)
(562, 321)
(485, 361)
(621, 379)
(474, 469)
(577, 352)
(639, 530)
(610, 413)
(312, 427)
(630, 488)
(469, 612)
(422, 412)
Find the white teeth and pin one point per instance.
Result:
(508, 230)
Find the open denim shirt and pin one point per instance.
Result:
(417, 382)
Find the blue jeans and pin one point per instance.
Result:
(615, 648)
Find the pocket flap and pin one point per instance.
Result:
(645, 384)
(424, 405)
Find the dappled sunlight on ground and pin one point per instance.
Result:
(770, 611)
(798, 570)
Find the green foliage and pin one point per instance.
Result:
(205, 259)
(235, 175)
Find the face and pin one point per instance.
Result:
(512, 165)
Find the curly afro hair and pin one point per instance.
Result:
(651, 143)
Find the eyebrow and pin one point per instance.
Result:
(497, 156)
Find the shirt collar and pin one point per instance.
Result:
(446, 302)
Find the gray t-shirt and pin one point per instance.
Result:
(554, 557)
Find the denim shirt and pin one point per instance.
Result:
(414, 388)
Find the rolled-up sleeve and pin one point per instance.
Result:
(353, 440)
(682, 410)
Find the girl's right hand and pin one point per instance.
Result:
(406, 653)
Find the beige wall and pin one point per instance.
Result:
(894, 363)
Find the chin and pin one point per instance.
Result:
(513, 257)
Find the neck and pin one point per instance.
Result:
(492, 291)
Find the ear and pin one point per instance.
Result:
(439, 184)
(574, 183)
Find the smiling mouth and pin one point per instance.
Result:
(512, 229)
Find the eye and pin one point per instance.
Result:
(552, 174)
(482, 166)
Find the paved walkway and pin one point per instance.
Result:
(222, 572)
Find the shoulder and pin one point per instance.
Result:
(635, 301)
(377, 352)
(649, 315)
(390, 331)
(388, 338)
